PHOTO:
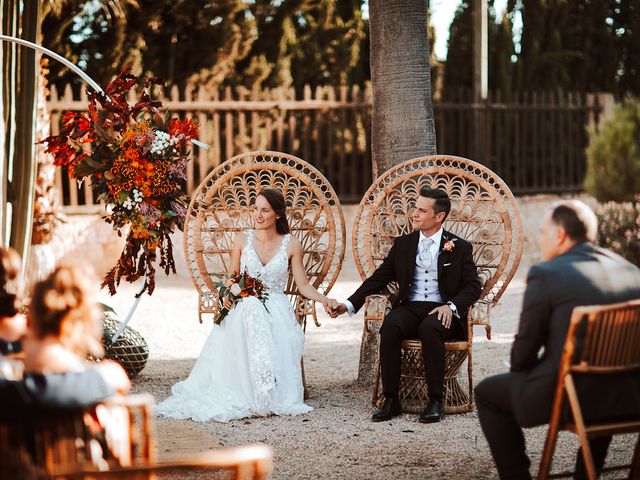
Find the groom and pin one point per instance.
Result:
(438, 282)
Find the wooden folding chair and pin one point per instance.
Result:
(610, 345)
(38, 443)
(113, 439)
(252, 462)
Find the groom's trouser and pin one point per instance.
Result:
(504, 433)
(411, 320)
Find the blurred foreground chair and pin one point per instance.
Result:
(253, 462)
(221, 207)
(115, 439)
(117, 432)
(602, 341)
(483, 212)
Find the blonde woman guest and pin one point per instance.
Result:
(65, 326)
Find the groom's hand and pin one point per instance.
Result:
(444, 314)
(338, 309)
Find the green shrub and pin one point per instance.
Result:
(613, 171)
(620, 228)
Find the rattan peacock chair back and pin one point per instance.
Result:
(484, 212)
(222, 206)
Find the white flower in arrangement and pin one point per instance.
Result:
(163, 141)
(131, 203)
(137, 195)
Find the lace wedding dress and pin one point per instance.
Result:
(250, 364)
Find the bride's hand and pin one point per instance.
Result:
(329, 304)
(227, 303)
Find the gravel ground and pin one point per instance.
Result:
(337, 439)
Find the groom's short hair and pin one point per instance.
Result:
(442, 201)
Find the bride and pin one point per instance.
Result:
(250, 364)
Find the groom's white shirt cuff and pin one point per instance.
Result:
(350, 309)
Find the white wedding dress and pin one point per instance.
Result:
(250, 364)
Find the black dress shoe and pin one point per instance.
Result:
(390, 408)
(433, 413)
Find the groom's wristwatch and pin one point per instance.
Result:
(453, 307)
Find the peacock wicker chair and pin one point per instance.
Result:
(222, 205)
(484, 212)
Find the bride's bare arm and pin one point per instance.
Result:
(234, 263)
(236, 250)
(300, 276)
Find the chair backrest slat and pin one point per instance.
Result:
(611, 338)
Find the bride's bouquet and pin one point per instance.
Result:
(235, 287)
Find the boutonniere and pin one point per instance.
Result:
(449, 245)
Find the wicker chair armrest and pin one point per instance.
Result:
(254, 461)
(208, 304)
(376, 308)
(304, 308)
(480, 314)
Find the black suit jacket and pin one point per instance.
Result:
(457, 274)
(585, 275)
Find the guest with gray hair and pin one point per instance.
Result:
(573, 272)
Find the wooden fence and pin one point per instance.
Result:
(535, 142)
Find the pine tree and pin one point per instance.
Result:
(458, 72)
(580, 45)
(261, 44)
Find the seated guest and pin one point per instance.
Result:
(65, 326)
(574, 272)
(13, 325)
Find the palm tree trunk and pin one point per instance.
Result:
(402, 125)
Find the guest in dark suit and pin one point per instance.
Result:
(574, 272)
(437, 283)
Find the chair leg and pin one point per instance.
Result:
(549, 447)
(634, 473)
(470, 374)
(304, 380)
(376, 386)
(552, 434)
(572, 396)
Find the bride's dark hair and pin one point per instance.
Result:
(275, 198)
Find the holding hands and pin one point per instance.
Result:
(337, 309)
(333, 308)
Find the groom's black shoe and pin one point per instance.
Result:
(390, 408)
(433, 413)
